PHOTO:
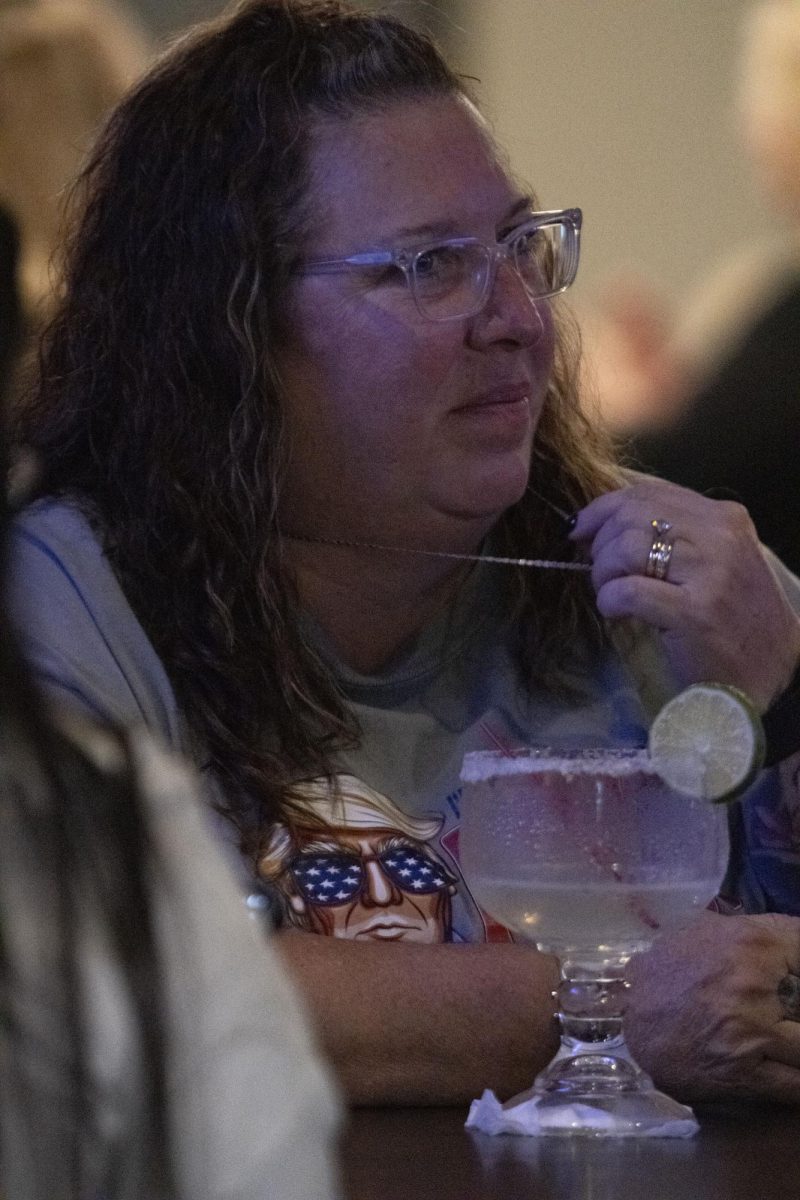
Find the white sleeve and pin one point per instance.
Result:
(254, 1110)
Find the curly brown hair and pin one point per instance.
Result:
(158, 401)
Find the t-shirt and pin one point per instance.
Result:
(456, 690)
(251, 1110)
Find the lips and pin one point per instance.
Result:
(503, 396)
(387, 928)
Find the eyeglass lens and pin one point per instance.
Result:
(452, 280)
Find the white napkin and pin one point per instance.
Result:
(489, 1116)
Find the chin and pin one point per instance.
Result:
(490, 493)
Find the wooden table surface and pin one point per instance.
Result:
(741, 1153)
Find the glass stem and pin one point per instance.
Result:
(590, 1011)
(592, 1059)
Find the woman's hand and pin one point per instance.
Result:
(703, 1014)
(720, 609)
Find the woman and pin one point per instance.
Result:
(307, 369)
(149, 1042)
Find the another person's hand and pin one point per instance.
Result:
(721, 611)
(704, 1018)
(631, 368)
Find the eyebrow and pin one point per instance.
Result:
(444, 229)
(325, 846)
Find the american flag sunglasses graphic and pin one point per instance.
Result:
(331, 877)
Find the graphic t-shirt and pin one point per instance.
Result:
(389, 866)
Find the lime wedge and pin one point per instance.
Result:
(708, 741)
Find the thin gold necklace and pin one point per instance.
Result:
(552, 564)
(495, 559)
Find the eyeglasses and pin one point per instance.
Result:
(453, 278)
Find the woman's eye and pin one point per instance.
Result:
(525, 243)
(440, 264)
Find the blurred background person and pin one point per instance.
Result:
(712, 399)
(63, 65)
(633, 380)
(150, 1044)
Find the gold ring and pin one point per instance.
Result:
(660, 551)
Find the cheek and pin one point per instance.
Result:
(390, 355)
(365, 335)
(378, 376)
(430, 907)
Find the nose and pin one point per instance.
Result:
(378, 890)
(509, 313)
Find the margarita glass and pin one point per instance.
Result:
(591, 855)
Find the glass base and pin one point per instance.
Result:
(600, 1092)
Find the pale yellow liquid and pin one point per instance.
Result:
(592, 917)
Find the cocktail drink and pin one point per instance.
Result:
(591, 855)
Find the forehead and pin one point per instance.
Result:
(420, 163)
(345, 835)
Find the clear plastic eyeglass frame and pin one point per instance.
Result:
(452, 278)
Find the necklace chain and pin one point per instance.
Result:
(496, 560)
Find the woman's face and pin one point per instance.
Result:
(399, 426)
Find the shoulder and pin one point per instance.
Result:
(56, 537)
(58, 521)
(78, 630)
(58, 558)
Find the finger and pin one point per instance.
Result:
(628, 535)
(720, 594)
(590, 519)
(621, 524)
(623, 543)
(638, 505)
(627, 552)
(651, 600)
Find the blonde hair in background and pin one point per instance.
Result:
(769, 99)
(721, 311)
(63, 65)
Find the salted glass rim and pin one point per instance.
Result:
(480, 765)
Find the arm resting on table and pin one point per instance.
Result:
(427, 1024)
